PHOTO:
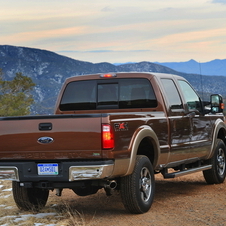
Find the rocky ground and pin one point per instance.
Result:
(183, 201)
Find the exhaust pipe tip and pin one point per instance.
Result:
(110, 186)
(113, 184)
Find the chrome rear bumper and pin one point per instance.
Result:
(73, 172)
(9, 173)
(90, 172)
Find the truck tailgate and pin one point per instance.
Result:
(51, 137)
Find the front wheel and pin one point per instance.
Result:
(29, 198)
(137, 189)
(216, 174)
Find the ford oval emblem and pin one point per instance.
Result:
(45, 140)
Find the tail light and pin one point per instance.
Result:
(109, 75)
(107, 137)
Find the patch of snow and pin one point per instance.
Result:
(9, 189)
(41, 68)
(38, 215)
(39, 93)
(9, 207)
(5, 197)
(11, 73)
(58, 78)
(54, 205)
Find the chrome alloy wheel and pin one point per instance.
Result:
(145, 184)
(221, 161)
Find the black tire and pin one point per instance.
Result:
(137, 189)
(29, 198)
(216, 174)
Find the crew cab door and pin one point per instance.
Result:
(179, 122)
(200, 124)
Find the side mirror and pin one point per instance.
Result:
(217, 104)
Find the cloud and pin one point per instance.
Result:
(104, 51)
(107, 9)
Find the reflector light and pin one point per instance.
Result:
(107, 137)
(109, 75)
(222, 106)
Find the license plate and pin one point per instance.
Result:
(48, 169)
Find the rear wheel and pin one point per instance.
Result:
(29, 198)
(137, 189)
(216, 174)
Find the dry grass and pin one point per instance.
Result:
(60, 214)
(71, 215)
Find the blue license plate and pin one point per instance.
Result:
(48, 169)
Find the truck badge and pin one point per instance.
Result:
(45, 140)
(121, 126)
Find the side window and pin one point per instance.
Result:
(172, 94)
(190, 96)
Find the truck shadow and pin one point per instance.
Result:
(100, 205)
(178, 187)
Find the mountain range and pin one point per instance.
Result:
(49, 70)
(214, 67)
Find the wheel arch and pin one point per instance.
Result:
(219, 133)
(144, 142)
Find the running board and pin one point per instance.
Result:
(186, 172)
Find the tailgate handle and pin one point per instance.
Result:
(45, 126)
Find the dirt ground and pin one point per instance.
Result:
(186, 201)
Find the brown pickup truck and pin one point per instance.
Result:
(114, 131)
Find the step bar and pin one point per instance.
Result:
(184, 172)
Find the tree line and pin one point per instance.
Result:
(16, 95)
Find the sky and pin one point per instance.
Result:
(118, 31)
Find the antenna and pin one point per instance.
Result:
(200, 72)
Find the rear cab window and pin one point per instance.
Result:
(121, 93)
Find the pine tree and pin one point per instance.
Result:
(15, 95)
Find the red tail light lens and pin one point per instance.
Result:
(107, 137)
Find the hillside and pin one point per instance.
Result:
(49, 70)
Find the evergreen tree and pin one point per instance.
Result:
(15, 95)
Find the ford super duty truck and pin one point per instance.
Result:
(114, 131)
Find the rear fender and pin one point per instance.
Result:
(139, 135)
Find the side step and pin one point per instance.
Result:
(184, 172)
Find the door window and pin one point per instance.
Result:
(190, 96)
